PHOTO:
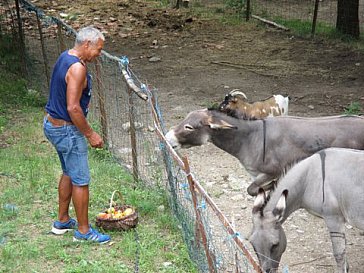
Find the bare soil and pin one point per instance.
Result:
(199, 61)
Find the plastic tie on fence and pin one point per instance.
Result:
(124, 61)
(145, 90)
(285, 269)
(202, 205)
(235, 235)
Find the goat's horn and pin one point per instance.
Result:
(237, 92)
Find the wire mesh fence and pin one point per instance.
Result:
(130, 119)
(282, 11)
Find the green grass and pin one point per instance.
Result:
(354, 108)
(29, 173)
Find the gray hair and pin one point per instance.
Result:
(88, 34)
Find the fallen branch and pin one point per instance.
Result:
(243, 67)
(271, 23)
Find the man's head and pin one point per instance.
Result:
(91, 40)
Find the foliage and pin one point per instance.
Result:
(354, 108)
(237, 5)
(9, 53)
(13, 90)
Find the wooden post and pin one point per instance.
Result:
(133, 136)
(247, 15)
(314, 19)
(21, 39)
(199, 223)
(101, 99)
(62, 45)
(45, 60)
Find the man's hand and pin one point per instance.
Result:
(95, 140)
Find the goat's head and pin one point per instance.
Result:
(231, 101)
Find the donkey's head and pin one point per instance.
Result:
(268, 237)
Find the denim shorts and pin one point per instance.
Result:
(71, 146)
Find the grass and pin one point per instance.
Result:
(354, 108)
(29, 173)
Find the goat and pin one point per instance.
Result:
(270, 146)
(235, 104)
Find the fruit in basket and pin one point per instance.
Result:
(128, 211)
(118, 215)
(103, 215)
(111, 210)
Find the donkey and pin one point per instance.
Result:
(268, 147)
(328, 184)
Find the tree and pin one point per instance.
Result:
(347, 21)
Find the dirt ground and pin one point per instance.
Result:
(197, 61)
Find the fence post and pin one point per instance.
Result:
(21, 38)
(45, 60)
(199, 223)
(101, 97)
(133, 136)
(247, 15)
(314, 19)
(62, 45)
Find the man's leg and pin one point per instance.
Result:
(80, 198)
(64, 198)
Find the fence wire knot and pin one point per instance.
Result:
(285, 269)
(202, 205)
(236, 234)
(124, 61)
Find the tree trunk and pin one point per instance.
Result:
(347, 21)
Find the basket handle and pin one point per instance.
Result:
(112, 198)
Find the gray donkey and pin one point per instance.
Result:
(328, 184)
(268, 147)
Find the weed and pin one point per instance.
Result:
(354, 108)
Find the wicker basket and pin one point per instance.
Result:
(125, 223)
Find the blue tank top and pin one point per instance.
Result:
(57, 103)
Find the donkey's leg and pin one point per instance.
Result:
(338, 240)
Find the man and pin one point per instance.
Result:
(66, 127)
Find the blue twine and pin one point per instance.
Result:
(143, 87)
(285, 269)
(235, 235)
(124, 61)
(202, 205)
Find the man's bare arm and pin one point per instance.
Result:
(76, 79)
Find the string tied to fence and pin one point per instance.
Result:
(124, 61)
(202, 205)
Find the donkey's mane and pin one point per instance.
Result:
(275, 182)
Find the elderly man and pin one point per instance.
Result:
(66, 127)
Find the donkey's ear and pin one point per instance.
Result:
(280, 208)
(259, 201)
(216, 123)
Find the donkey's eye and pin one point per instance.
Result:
(274, 246)
(188, 127)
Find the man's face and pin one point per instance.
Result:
(94, 50)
